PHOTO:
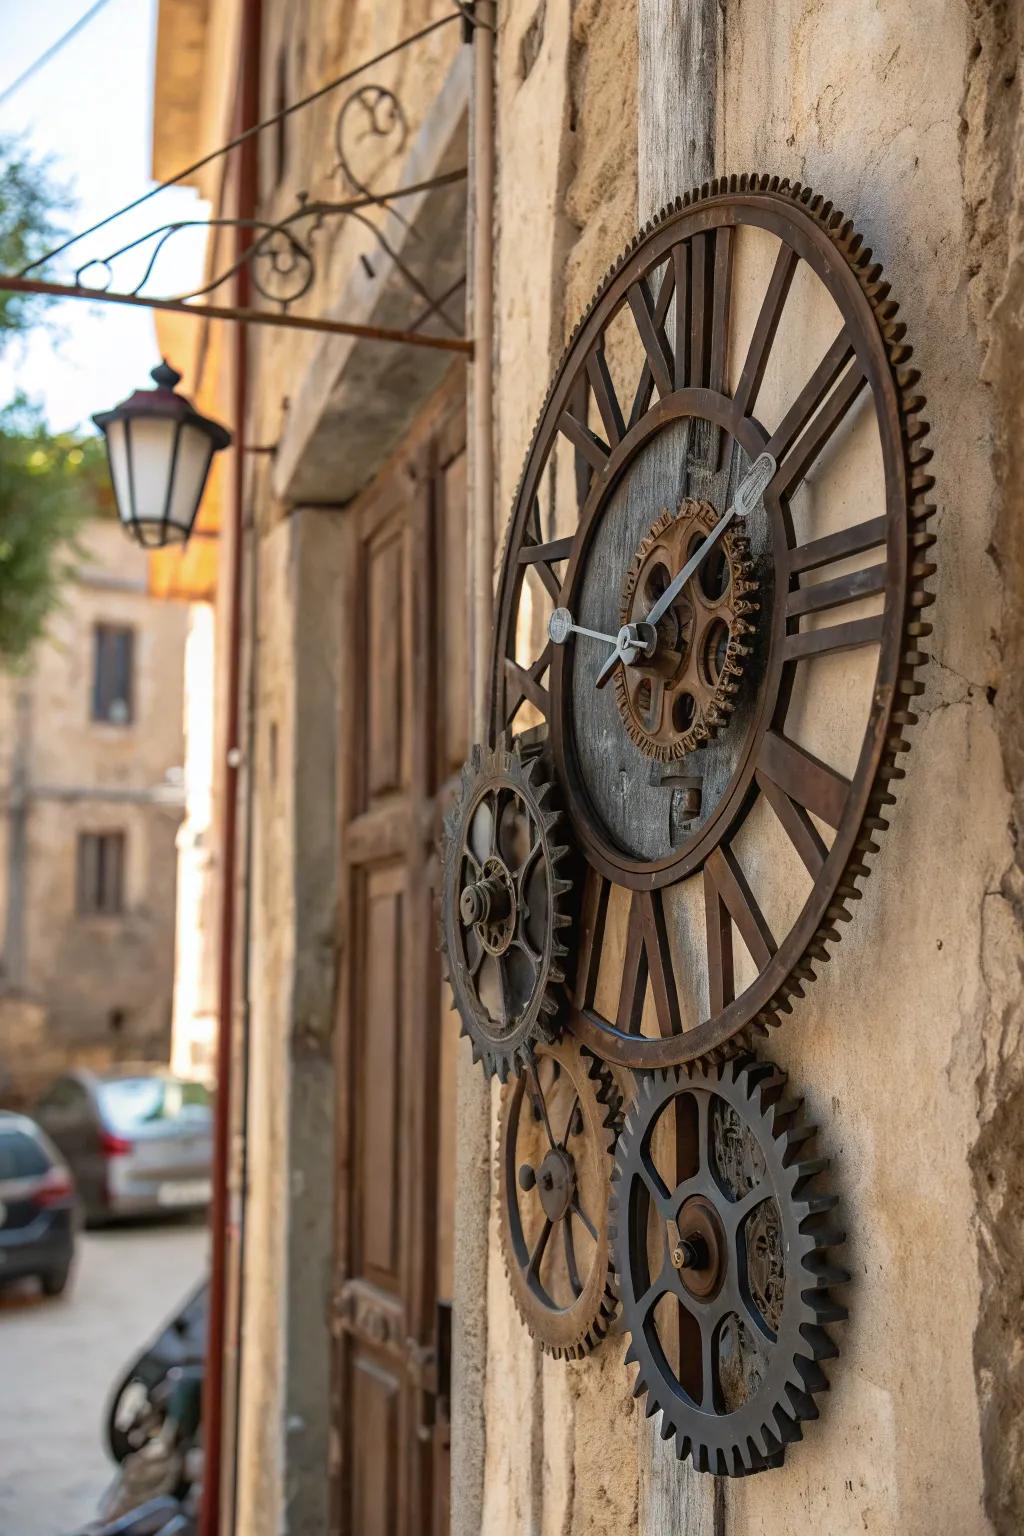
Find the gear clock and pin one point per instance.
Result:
(746, 562)
(710, 620)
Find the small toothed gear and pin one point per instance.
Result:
(722, 1236)
(505, 907)
(557, 1126)
(687, 693)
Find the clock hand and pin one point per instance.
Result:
(750, 489)
(748, 492)
(561, 625)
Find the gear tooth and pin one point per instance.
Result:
(810, 1373)
(826, 1311)
(818, 1341)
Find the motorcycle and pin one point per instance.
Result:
(153, 1432)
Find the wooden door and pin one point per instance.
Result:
(404, 661)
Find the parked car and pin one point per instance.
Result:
(138, 1139)
(37, 1207)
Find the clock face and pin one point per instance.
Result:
(718, 636)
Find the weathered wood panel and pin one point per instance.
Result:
(679, 44)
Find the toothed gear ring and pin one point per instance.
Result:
(685, 695)
(505, 907)
(556, 1136)
(722, 1238)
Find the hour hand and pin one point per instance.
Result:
(561, 625)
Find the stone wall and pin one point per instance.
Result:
(907, 1048)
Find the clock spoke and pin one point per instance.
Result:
(720, 301)
(802, 778)
(648, 958)
(593, 916)
(543, 557)
(729, 900)
(669, 285)
(815, 414)
(833, 638)
(652, 334)
(765, 328)
(593, 448)
(709, 295)
(605, 396)
(855, 540)
(849, 588)
(524, 684)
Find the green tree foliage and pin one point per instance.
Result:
(30, 205)
(48, 485)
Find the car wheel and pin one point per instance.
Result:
(54, 1282)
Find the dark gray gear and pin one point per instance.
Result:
(505, 907)
(557, 1125)
(721, 1238)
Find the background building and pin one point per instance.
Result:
(93, 750)
(363, 1181)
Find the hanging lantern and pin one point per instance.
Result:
(160, 450)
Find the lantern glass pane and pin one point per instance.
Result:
(195, 451)
(117, 453)
(151, 444)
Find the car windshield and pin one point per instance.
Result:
(129, 1102)
(21, 1156)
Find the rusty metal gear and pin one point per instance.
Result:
(684, 697)
(831, 245)
(505, 907)
(722, 1236)
(557, 1126)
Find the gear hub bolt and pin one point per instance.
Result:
(690, 1253)
(485, 902)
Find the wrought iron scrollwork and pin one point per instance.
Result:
(280, 256)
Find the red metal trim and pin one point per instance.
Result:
(242, 314)
(213, 1384)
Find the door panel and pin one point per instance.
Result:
(405, 718)
(378, 1050)
(375, 1393)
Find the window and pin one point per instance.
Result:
(21, 1156)
(113, 666)
(101, 872)
(129, 1102)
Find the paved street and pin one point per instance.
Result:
(58, 1360)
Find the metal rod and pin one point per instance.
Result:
(242, 138)
(11, 284)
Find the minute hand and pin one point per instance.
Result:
(750, 489)
(748, 492)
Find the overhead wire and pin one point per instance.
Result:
(267, 122)
(54, 48)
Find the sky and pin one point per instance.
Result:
(89, 110)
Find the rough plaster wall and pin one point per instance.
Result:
(913, 1032)
(290, 1206)
(317, 661)
(264, 1320)
(889, 1043)
(566, 202)
(992, 138)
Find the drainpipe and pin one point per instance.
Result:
(473, 1129)
(213, 1380)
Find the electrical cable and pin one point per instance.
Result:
(44, 58)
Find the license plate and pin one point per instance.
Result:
(187, 1192)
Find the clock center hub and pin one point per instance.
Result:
(681, 694)
(697, 1248)
(556, 1183)
(489, 906)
